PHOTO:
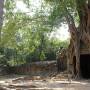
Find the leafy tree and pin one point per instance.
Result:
(26, 38)
(76, 14)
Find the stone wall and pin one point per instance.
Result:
(35, 68)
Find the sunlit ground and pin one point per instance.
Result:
(36, 82)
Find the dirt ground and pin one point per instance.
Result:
(26, 82)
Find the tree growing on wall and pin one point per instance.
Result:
(75, 13)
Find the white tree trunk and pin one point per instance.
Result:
(1, 15)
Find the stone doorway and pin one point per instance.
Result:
(85, 65)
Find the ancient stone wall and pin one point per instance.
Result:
(35, 68)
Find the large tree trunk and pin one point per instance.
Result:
(82, 34)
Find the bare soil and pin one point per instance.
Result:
(53, 82)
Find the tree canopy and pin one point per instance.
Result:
(25, 36)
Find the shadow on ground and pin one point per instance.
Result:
(58, 82)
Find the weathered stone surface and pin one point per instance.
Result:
(61, 60)
(35, 68)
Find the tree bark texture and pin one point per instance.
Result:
(82, 34)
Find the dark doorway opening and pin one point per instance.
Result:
(85, 65)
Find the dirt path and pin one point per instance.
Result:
(37, 83)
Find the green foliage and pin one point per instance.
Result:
(25, 38)
(60, 11)
(42, 56)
